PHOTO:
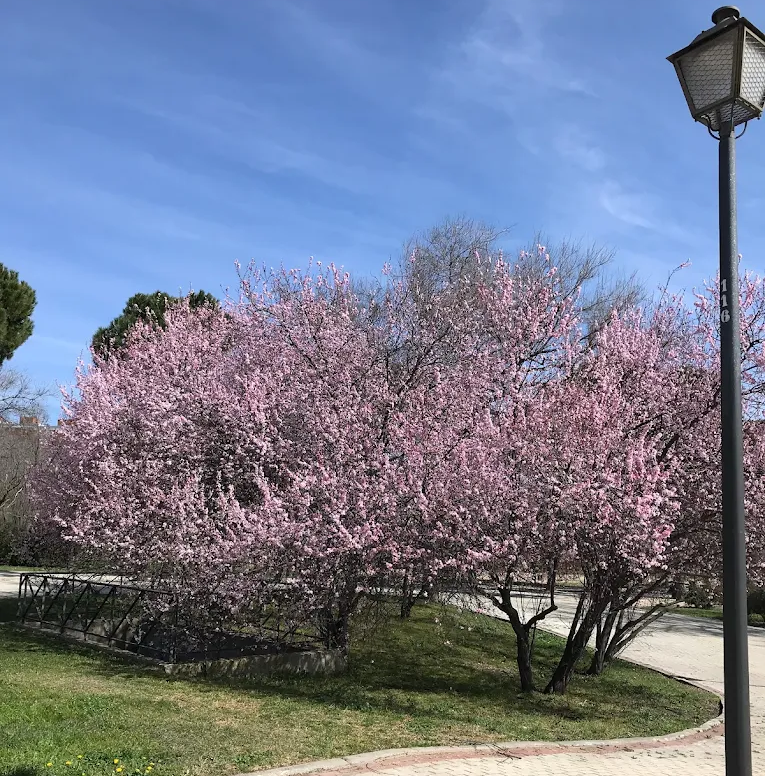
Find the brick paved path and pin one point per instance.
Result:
(685, 647)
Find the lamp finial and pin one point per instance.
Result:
(725, 13)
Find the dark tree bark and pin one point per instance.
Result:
(334, 624)
(621, 623)
(602, 640)
(589, 611)
(336, 632)
(524, 634)
(622, 635)
(411, 593)
(407, 602)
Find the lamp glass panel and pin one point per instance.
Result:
(708, 71)
(753, 70)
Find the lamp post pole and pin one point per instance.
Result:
(722, 74)
(738, 756)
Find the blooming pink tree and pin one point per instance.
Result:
(476, 451)
(616, 501)
(304, 448)
(337, 479)
(383, 428)
(167, 469)
(678, 408)
(701, 544)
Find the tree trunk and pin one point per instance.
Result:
(565, 668)
(598, 662)
(523, 659)
(411, 594)
(602, 643)
(622, 634)
(407, 602)
(581, 630)
(614, 634)
(336, 629)
(522, 639)
(433, 591)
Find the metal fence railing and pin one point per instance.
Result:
(125, 615)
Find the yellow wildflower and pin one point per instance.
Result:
(116, 760)
(119, 770)
(79, 757)
(48, 765)
(68, 762)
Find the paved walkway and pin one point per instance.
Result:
(9, 583)
(685, 647)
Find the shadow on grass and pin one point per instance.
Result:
(19, 770)
(16, 639)
(394, 675)
(396, 684)
(8, 609)
(421, 667)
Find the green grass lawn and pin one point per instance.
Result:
(443, 677)
(715, 613)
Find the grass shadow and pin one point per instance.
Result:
(8, 609)
(405, 670)
(20, 770)
(439, 664)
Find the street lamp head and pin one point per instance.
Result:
(722, 72)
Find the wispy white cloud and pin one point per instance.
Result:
(258, 138)
(337, 47)
(507, 51)
(241, 120)
(642, 210)
(632, 208)
(117, 211)
(326, 34)
(573, 144)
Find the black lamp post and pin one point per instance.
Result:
(723, 78)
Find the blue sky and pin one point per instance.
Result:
(149, 144)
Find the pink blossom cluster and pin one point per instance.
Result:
(307, 439)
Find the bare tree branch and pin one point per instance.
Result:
(19, 397)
